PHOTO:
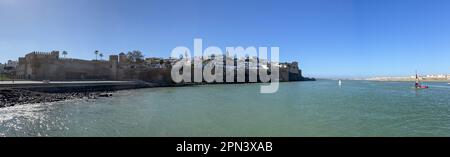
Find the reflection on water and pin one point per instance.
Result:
(32, 120)
(321, 108)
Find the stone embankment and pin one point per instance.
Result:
(12, 97)
(32, 93)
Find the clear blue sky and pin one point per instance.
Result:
(330, 38)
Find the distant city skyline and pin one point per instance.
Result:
(329, 38)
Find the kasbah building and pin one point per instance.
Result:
(40, 66)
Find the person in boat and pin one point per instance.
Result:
(417, 84)
(417, 81)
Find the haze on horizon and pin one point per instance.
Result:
(330, 38)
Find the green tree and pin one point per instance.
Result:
(135, 56)
(101, 56)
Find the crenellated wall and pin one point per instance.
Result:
(48, 66)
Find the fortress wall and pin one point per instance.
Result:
(284, 74)
(161, 76)
(48, 66)
(293, 67)
(82, 70)
(42, 68)
(145, 74)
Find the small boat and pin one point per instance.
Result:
(340, 83)
(418, 85)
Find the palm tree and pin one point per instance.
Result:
(64, 53)
(101, 56)
(96, 54)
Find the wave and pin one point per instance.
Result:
(438, 86)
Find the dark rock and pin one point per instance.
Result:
(105, 95)
(11, 97)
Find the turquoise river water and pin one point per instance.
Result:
(320, 108)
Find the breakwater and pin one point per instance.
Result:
(13, 97)
(27, 92)
(77, 86)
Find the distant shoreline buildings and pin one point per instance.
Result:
(10, 65)
(434, 77)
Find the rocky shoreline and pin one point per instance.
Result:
(27, 94)
(13, 97)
